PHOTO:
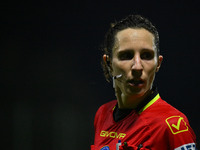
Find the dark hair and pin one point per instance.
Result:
(132, 21)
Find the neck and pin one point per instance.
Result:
(131, 101)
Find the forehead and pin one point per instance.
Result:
(128, 38)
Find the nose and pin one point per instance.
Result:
(137, 66)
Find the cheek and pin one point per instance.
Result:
(118, 67)
(151, 73)
(115, 68)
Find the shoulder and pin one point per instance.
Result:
(162, 109)
(105, 110)
(108, 105)
(169, 123)
(162, 113)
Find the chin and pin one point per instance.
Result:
(137, 92)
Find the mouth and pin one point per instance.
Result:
(136, 82)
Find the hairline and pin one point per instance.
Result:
(154, 39)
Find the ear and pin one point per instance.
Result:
(105, 58)
(160, 59)
(107, 61)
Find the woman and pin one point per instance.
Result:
(139, 118)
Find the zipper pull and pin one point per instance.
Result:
(118, 144)
(140, 146)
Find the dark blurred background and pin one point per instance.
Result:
(52, 82)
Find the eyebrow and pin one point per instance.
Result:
(124, 51)
(142, 50)
(147, 49)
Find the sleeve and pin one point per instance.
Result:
(96, 125)
(179, 133)
(97, 117)
(171, 132)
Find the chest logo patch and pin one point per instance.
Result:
(112, 134)
(176, 124)
(105, 148)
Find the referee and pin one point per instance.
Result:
(139, 119)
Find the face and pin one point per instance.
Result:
(135, 57)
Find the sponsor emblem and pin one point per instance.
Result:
(176, 124)
(105, 148)
(112, 134)
(190, 146)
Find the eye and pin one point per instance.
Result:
(125, 55)
(147, 55)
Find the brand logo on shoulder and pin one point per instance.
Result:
(176, 124)
(112, 134)
(190, 146)
(105, 148)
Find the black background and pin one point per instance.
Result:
(52, 83)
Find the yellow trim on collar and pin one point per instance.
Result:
(150, 103)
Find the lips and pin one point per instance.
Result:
(136, 82)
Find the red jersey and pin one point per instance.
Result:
(157, 126)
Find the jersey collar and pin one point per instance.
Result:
(119, 114)
(149, 103)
